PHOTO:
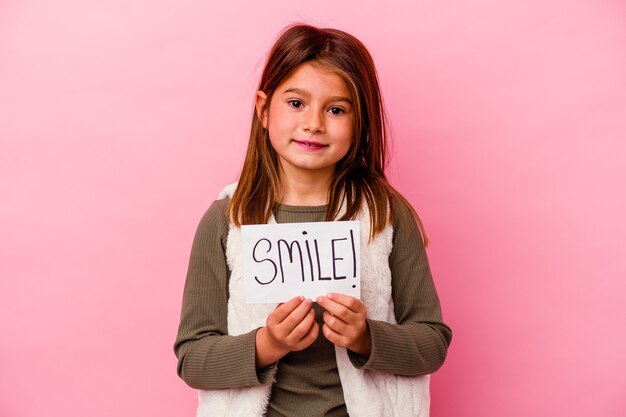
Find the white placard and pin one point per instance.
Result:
(282, 261)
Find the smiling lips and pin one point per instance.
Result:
(310, 145)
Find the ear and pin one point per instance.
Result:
(261, 107)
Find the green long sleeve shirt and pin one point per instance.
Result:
(307, 382)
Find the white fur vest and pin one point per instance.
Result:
(366, 393)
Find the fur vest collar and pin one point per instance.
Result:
(366, 393)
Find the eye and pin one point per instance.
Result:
(337, 111)
(296, 104)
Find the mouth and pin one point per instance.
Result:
(310, 144)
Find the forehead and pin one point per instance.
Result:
(315, 79)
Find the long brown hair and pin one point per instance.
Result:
(360, 175)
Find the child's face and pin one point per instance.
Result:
(310, 121)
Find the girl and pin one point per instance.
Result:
(316, 153)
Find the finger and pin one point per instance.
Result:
(302, 328)
(334, 337)
(336, 308)
(348, 301)
(284, 309)
(314, 331)
(296, 316)
(335, 323)
(310, 337)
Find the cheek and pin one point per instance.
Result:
(346, 134)
(279, 124)
(344, 146)
(276, 140)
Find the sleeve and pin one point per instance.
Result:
(208, 358)
(418, 344)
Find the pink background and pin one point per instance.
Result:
(120, 120)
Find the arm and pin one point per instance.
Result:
(418, 343)
(207, 357)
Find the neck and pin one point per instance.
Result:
(304, 189)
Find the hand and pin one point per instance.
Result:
(291, 327)
(344, 323)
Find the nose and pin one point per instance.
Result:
(313, 121)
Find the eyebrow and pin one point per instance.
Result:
(306, 94)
